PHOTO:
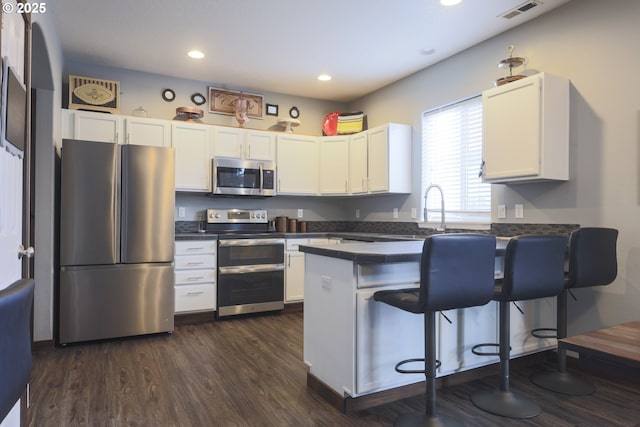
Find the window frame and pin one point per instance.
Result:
(470, 218)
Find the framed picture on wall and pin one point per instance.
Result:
(221, 102)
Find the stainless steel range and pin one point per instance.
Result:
(250, 262)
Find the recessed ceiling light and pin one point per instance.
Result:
(324, 77)
(449, 2)
(195, 54)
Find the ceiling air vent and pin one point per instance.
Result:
(520, 9)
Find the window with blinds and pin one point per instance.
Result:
(451, 158)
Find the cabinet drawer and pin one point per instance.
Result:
(195, 297)
(195, 276)
(195, 261)
(188, 247)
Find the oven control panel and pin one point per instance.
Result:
(251, 216)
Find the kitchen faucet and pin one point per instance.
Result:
(426, 198)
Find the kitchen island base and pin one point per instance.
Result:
(349, 405)
(352, 343)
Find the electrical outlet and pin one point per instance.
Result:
(414, 213)
(300, 213)
(357, 213)
(502, 211)
(182, 212)
(395, 212)
(519, 211)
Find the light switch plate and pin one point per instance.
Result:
(519, 211)
(300, 213)
(502, 211)
(181, 212)
(395, 212)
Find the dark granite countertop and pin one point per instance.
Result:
(364, 237)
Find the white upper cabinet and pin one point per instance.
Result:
(526, 130)
(334, 165)
(144, 131)
(389, 159)
(90, 126)
(243, 143)
(298, 165)
(358, 163)
(191, 142)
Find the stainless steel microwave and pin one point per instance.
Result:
(243, 177)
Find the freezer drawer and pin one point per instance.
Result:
(98, 302)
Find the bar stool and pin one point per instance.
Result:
(456, 271)
(592, 262)
(15, 342)
(533, 268)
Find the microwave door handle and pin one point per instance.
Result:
(261, 178)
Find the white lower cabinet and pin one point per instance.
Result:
(294, 268)
(195, 275)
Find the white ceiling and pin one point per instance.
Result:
(282, 45)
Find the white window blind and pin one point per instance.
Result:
(451, 158)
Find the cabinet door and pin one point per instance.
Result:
(260, 145)
(99, 127)
(511, 130)
(294, 277)
(538, 313)
(378, 160)
(142, 131)
(385, 335)
(334, 165)
(191, 143)
(358, 163)
(298, 169)
(468, 327)
(227, 142)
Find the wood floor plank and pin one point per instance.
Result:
(249, 371)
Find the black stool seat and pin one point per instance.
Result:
(456, 271)
(592, 262)
(533, 268)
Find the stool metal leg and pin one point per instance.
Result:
(504, 402)
(429, 417)
(562, 381)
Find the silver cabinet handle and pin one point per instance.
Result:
(195, 278)
(28, 253)
(193, 294)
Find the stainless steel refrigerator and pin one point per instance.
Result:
(116, 241)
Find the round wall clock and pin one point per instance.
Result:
(294, 112)
(168, 95)
(198, 99)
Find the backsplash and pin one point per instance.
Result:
(411, 228)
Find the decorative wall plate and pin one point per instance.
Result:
(198, 99)
(168, 95)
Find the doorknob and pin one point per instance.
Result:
(22, 252)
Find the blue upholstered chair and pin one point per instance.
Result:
(16, 302)
(457, 271)
(592, 262)
(533, 268)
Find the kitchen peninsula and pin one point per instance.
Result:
(352, 343)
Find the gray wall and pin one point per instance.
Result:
(593, 43)
(589, 41)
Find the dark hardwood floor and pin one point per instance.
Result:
(249, 372)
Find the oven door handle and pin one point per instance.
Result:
(244, 269)
(250, 242)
